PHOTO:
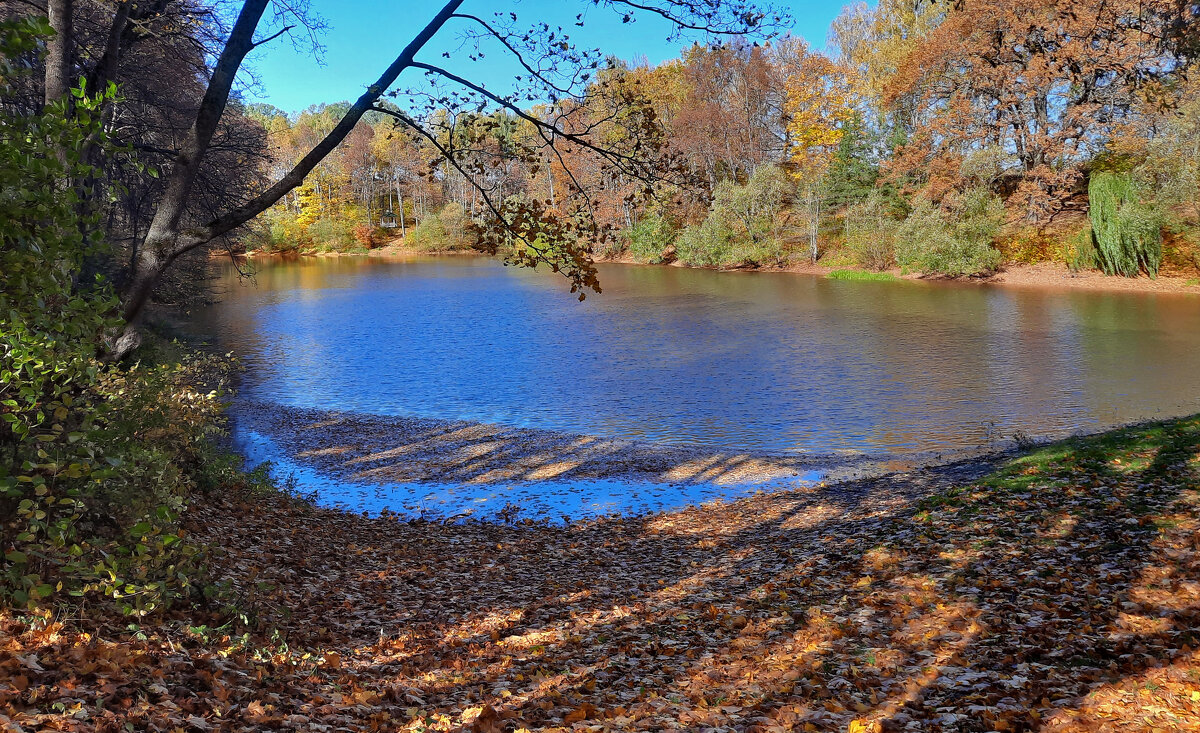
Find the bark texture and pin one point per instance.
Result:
(58, 50)
(169, 236)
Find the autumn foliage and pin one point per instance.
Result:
(939, 102)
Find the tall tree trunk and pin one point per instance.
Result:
(167, 238)
(814, 222)
(400, 198)
(58, 49)
(106, 70)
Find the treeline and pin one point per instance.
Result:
(934, 137)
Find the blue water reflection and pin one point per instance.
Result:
(753, 361)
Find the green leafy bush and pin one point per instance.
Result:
(742, 227)
(650, 237)
(1081, 252)
(97, 459)
(707, 244)
(51, 328)
(955, 243)
(1127, 232)
(446, 231)
(871, 233)
(277, 232)
(331, 234)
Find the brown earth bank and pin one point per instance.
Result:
(1054, 275)
(1059, 591)
(1047, 275)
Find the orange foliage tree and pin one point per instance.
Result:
(1043, 81)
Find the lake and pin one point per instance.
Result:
(758, 362)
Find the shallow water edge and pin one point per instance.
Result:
(451, 470)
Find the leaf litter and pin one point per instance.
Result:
(1057, 592)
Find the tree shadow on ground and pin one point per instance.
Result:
(1000, 608)
(384, 449)
(1052, 594)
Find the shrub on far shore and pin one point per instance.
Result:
(742, 227)
(650, 237)
(955, 243)
(871, 233)
(368, 236)
(329, 234)
(446, 231)
(277, 235)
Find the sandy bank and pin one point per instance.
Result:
(1045, 275)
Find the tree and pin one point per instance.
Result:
(853, 171)
(724, 125)
(1127, 232)
(1048, 80)
(58, 53)
(1166, 151)
(875, 43)
(818, 108)
(174, 232)
(156, 51)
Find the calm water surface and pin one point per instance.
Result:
(756, 361)
(752, 361)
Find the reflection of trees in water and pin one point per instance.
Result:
(1140, 354)
(757, 360)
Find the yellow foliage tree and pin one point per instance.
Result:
(309, 204)
(875, 41)
(818, 104)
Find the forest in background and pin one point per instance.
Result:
(935, 137)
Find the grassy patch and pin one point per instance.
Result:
(862, 275)
(1193, 282)
(1139, 449)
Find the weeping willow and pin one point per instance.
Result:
(1127, 233)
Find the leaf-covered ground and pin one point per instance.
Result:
(1058, 592)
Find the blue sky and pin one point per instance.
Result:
(365, 35)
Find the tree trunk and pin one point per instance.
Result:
(400, 198)
(106, 70)
(814, 221)
(58, 49)
(167, 238)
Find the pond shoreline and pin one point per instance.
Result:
(385, 448)
(365, 449)
(1043, 276)
(1049, 276)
